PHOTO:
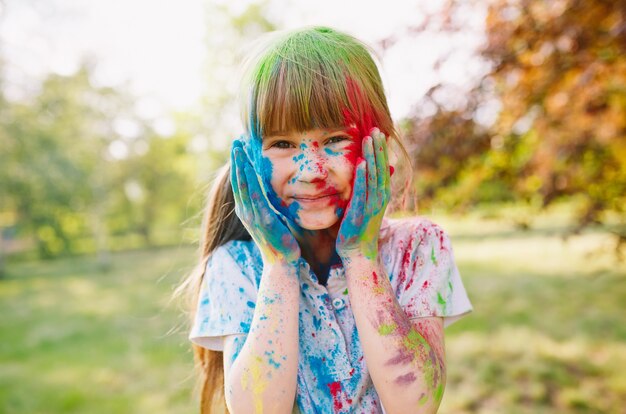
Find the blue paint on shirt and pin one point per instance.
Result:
(330, 352)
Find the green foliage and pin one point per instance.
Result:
(51, 147)
(61, 184)
(557, 71)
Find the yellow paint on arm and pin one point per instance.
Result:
(253, 380)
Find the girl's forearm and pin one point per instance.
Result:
(407, 365)
(263, 375)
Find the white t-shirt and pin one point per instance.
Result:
(332, 373)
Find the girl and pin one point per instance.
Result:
(308, 297)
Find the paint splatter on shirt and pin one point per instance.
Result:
(417, 256)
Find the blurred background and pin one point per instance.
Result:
(115, 114)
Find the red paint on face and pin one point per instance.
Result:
(353, 153)
(359, 118)
(375, 278)
(334, 200)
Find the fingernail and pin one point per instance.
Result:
(391, 170)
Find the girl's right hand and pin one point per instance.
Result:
(275, 241)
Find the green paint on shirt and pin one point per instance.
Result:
(440, 299)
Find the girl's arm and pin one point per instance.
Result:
(405, 360)
(260, 369)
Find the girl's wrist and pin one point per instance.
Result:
(365, 251)
(358, 259)
(280, 263)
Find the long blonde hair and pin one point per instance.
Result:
(292, 81)
(220, 225)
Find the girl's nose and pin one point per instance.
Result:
(312, 167)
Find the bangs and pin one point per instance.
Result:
(302, 97)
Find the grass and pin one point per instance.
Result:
(547, 334)
(76, 340)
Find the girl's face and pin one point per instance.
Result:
(311, 173)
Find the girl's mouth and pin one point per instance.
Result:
(315, 198)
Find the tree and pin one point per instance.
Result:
(52, 149)
(557, 71)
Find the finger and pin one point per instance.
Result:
(368, 153)
(388, 169)
(258, 200)
(234, 182)
(242, 183)
(251, 180)
(356, 206)
(382, 159)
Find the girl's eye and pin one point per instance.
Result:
(282, 145)
(336, 139)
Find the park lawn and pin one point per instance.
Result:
(76, 340)
(547, 334)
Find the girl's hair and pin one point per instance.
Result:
(292, 81)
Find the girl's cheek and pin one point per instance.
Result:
(353, 151)
(266, 169)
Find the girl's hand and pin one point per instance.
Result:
(273, 238)
(358, 233)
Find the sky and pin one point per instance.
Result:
(157, 49)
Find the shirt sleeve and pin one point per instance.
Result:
(433, 286)
(227, 298)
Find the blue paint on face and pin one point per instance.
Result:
(250, 304)
(252, 145)
(332, 153)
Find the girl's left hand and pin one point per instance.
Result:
(358, 233)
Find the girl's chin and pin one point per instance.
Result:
(317, 221)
